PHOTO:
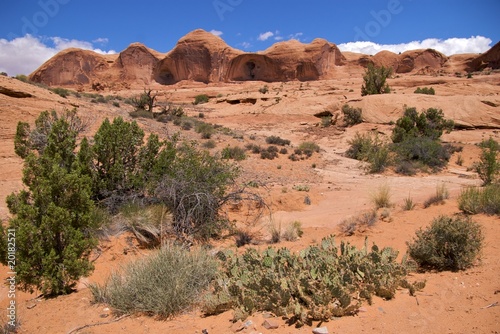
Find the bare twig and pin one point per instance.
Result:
(99, 324)
(491, 305)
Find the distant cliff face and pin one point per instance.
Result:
(200, 56)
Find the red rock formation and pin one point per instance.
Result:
(71, 67)
(136, 63)
(203, 57)
(490, 59)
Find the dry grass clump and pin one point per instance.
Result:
(359, 223)
(439, 197)
(164, 284)
(382, 197)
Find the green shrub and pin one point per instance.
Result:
(270, 155)
(200, 99)
(316, 284)
(473, 200)
(22, 77)
(186, 125)
(352, 116)
(52, 215)
(209, 144)
(370, 149)
(422, 151)
(163, 284)
(62, 92)
(205, 129)
(429, 123)
(275, 140)
(308, 148)
(375, 80)
(326, 121)
(140, 113)
(448, 244)
(264, 89)
(489, 165)
(235, 153)
(425, 90)
(301, 187)
(254, 148)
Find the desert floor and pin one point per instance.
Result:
(451, 302)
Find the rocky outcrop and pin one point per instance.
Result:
(71, 67)
(490, 59)
(203, 57)
(136, 63)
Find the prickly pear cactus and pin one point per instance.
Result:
(316, 284)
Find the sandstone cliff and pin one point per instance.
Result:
(203, 57)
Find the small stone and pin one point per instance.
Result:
(248, 323)
(362, 309)
(320, 330)
(106, 309)
(270, 324)
(104, 315)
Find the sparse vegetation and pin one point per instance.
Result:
(301, 187)
(264, 89)
(408, 204)
(308, 148)
(439, 197)
(382, 197)
(200, 99)
(163, 284)
(314, 285)
(235, 153)
(293, 231)
(375, 80)
(473, 200)
(359, 223)
(352, 116)
(62, 92)
(206, 130)
(371, 149)
(488, 167)
(425, 90)
(447, 244)
(275, 140)
(145, 102)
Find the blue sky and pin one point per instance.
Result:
(31, 31)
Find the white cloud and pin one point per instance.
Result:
(101, 40)
(265, 36)
(216, 32)
(278, 38)
(450, 46)
(23, 55)
(245, 45)
(296, 36)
